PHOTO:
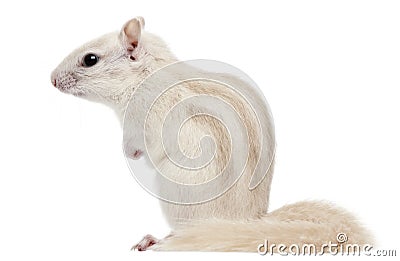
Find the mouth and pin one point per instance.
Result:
(74, 91)
(77, 93)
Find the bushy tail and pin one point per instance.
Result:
(308, 222)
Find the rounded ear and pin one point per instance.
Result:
(131, 32)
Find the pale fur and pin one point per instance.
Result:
(235, 221)
(308, 222)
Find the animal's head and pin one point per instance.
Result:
(108, 68)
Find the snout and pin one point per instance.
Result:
(63, 81)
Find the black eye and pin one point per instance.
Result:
(89, 60)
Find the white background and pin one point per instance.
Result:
(329, 70)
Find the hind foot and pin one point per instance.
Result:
(145, 243)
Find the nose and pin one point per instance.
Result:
(53, 78)
(54, 82)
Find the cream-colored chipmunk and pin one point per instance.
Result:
(110, 70)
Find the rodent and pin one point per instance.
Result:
(109, 69)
